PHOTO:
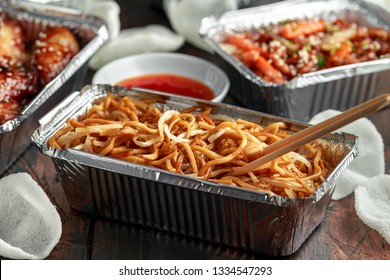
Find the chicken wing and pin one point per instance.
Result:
(17, 83)
(53, 51)
(12, 49)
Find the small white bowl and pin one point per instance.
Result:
(165, 63)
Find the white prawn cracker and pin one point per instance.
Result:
(185, 16)
(370, 161)
(30, 225)
(372, 204)
(151, 38)
(108, 10)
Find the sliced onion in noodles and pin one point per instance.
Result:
(164, 118)
(297, 157)
(146, 140)
(218, 134)
(221, 118)
(173, 137)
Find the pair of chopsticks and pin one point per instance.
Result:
(314, 132)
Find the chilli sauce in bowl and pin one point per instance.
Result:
(170, 83)
(168, 72)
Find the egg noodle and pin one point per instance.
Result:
(194, 142)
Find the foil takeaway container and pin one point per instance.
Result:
(301, 98)
(185, 205)
(90, 32)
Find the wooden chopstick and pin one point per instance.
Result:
(314, 132)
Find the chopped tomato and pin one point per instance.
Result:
(295, 29)
(340, 54)
(269, 72)
(245, 44)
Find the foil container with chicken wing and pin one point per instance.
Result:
(43, 56)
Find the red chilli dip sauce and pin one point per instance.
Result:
(170, 83)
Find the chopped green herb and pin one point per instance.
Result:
(363, 44)
(308, 47)
(284, 22)
(321, 61)
(290, 45)
(351, 45)
(332, 28)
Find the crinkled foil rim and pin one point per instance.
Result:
(244, 19)
(68, 16)
(79, 102)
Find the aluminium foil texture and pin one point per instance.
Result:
(337, 88)
(182, 204)
(90, 32)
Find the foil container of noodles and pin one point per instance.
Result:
(90, 32)
(185, 205)
(301, 98)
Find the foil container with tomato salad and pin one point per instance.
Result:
(298, 58)
(60, 66)
(154, 197)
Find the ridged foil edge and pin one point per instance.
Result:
(273, 13)
(79, 102)
(51, 13)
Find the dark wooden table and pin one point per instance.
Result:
(342, 235)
